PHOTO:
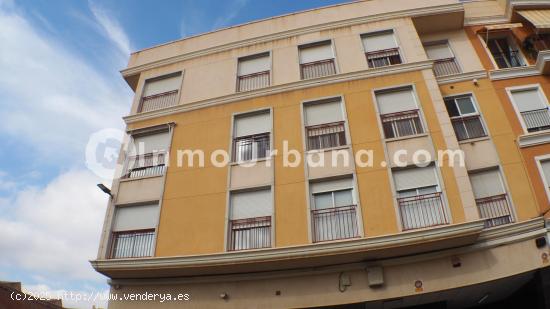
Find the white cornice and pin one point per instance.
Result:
(302, 84)
(524, 71)
(442, 9)
(462, 77)
(534, 139)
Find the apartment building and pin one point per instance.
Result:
(376, 80)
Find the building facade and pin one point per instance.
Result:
(329, 175)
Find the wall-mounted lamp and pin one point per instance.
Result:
(104, 189)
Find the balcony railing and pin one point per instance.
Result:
(133, 244)
(381, 58)
(495, 210)
(334, 223)
(537, 120)
(317, 69)
(251, 233)
(509, 59)
(150, 164)
(422, 211)
(253, 81)
(158, 101)
(401, 124)
(447, 66)
(468, 127)
(251, 147)
(326, 135)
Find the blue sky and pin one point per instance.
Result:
(59, 83)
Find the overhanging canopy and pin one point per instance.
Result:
(539, 18)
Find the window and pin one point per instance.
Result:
(504, 51)
(250, 220)
(251, 136)
(465, 117)
(381, 49)
(253, 72)
(134, 231)
(333, 211)
(491, 197)
(317, 60)
(419, 198)
(545, 169)
(325, 126)
(444, 61)
(147, 154)
(399, 112)
(533, 108)
(160, 92)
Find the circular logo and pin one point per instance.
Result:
(102, 152)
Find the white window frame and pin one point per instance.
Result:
(511, 90)
(539, 160)
(476, 113)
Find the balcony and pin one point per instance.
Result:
(251, 147)
(401, 124)
(536, 120)
(250, 233)
(495, 210)
(468, 127)
(383, 58)
(445, 67)
(146, 165)
(253, 81)
(158, 101)
(334, 223)
(133, 244)
(326, 135)
(317, 69)
(422, 211)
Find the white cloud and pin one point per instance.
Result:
(112, 28)
(51, 98)
(235, 8)
(53, 231)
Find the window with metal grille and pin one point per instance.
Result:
(325, 125)
(381, 49)
(465, 118)
(399, 113)
(253, 72)
(252, 139)
(316, 60)
(533, 108)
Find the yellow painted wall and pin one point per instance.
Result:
(195, 199)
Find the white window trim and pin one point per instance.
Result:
(510, 90)
(155, 77)
(395, 39)
(232, 135)
(538, 161)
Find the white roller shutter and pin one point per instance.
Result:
(144, 144)
(379, 41)
(128, 218)
(316, 52)
(413, 178)
(331, 185)
(396, 101)
(254, 64)
(546, 171)
(487, 183)
(251, 124)
(251, 204)
(157, 86)
(528, 100)
(438, 51)
(325, 112)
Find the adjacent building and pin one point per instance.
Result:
(370, 80)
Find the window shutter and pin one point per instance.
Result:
(250, 124)
(528, 100)
(140, 217)
(157, 86)
(413, 178)
(323, 112)
(150, 143)
(379, 41)
(331, 185)
(394, 101)
(316, 52)
(251, 204)
(438, 51)
(254, 64)
(546, 170)
(487, 183)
